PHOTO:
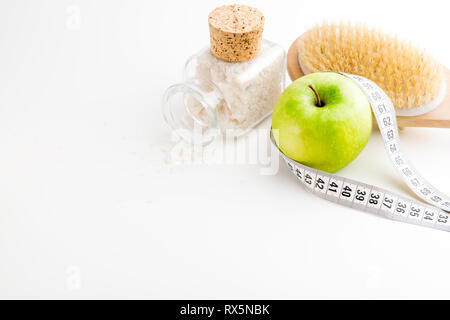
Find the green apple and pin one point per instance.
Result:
(324, 121)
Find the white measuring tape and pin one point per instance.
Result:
(354, 194)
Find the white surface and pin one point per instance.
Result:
(89, 209)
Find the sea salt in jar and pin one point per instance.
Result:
(231, 86)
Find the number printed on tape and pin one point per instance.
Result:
(387, 121)
(362, 195)
(393, 148)
(402, 208)
(309, 179)
(435, 198)
(348, 192)
(299, 172)
(415, 182)
(334, 187)
(321, 183)
(430, 216)
(416, 213)
(443, 219)
(290, 166)
(381, 108)
(375, 199)
(388, 204)
(389, 134)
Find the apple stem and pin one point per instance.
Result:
(318, 101)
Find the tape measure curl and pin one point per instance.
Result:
(370, 198)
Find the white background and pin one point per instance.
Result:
(89, 208)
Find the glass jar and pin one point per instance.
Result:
(220, 97)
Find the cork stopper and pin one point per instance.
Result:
(236, 32)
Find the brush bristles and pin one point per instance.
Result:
(409, 76)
